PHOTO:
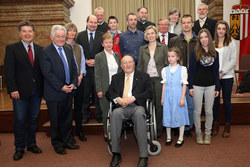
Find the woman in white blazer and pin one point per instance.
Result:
(226, 47)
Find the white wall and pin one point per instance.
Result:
(79, 13)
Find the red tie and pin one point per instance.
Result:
(163, 39)
(30, 53)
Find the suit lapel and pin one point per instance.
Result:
(135, 80)
(24, 53)
(95, 40)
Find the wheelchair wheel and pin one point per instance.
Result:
(155, 149)
(153, 129)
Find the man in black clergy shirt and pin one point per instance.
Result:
(142, 22)
(102, 25)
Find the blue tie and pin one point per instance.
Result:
(91, 42)
(66, 68)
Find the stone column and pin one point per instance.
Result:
(42, 13)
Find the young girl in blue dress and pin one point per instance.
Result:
(175, 112)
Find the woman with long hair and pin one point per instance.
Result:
(226, 48)
(204, 80)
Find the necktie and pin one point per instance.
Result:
(30, 53)
(126, 87)
(91, 42)
(66, 68)
(201, 23)
(163, 39)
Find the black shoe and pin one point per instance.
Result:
(82, 137)
(72, 139)
(85, 120)
(188, 133)
(34, 149)
(60, 150)
(143, 162)
(99, 120)
(71, 146)
(18, 155)
(116, 160)
(168, 142)
(179, 145)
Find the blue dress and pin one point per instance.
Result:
(174, 115)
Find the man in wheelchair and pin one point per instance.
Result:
(129, 90)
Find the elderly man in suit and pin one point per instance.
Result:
(129, 90)
(90, 40)
(164, 35)
(102, 25)
(204, 21)
(60, 78)
(24, 84)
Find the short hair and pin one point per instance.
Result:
(186, 16)
(57, 27)
(89, 17)
(150, 27)
(203, 4)
(164, 18)
(130, 14)
(178, 53)
(227, 39)
(99, 8)
(138, 10)
(174, 10)
(71, 25)
(112, 17)
(107, 36)
(25, 23)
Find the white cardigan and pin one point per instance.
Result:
(229, 58)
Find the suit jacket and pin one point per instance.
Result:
(83, 40)
(141, 90)
(19, 73)
(54, 74)
(103, 28)
(170, 36)
(209, 24)
(102, 71)
(160, 54)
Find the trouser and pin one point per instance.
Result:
(190, 105)
(208, 93)
(138, 115)
(26, 109)
(226, 85)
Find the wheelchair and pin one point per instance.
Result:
(154, 147)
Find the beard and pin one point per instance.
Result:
(202, 16)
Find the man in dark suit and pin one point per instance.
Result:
(142, 22)
(203, 21)
(101, 24)
(129, 90)
(90, 40)
(60, 78)
(164, 35)
(24, 83)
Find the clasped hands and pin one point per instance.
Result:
(68, 88)
(125, 101)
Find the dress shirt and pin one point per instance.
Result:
(204, 20)
(131, 78)
(130, 43)
(64, 55)
(166, 37)
(82, 64)
(172, 70)
(112, 64)
(93, 34)
(152, 71)
(26, 46)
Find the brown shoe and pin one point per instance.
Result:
(215, 129)
(226, 132)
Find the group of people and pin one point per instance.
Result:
(175, 65)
